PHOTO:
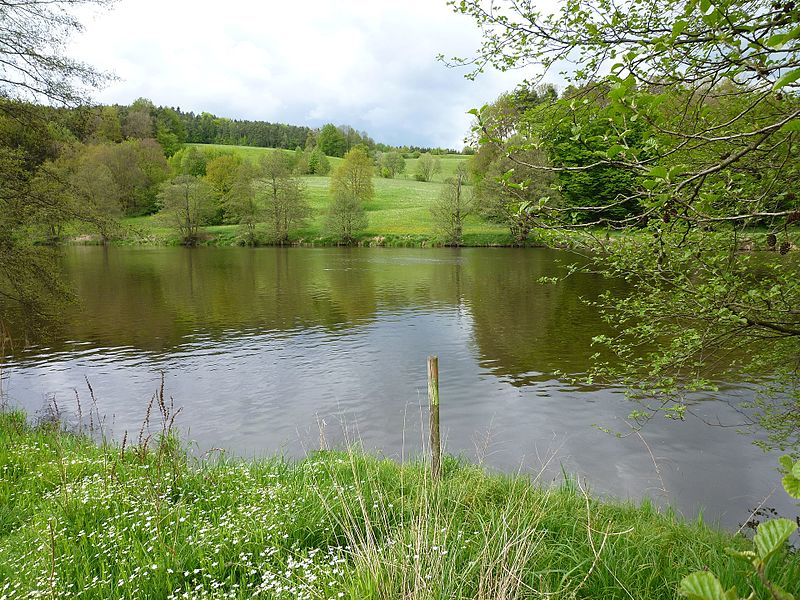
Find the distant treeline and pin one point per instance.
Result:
(172, 128)
(335, 140)
(205, 128)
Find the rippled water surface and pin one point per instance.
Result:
(272, 350)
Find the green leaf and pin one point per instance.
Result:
(792, 485)
(618, 93)
(703, 585)
(790, 77)
(796, 470)
(787, 463)
(649, 184)
(776, 41)
(676, 171)
(659, 171)
(771, 536)
(615, 150)
(678, 28)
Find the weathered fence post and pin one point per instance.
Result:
(433, 400)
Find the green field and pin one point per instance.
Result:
(110, 522)
(449, 162)
(251, 153)
(400, 207)
(399, 214)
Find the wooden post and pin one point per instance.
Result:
(433, 400)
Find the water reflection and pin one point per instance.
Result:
(263, 347)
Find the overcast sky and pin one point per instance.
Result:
(367, 63)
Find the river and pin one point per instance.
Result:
(276, 350)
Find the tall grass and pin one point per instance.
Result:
(142, 520)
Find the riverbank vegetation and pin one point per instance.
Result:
(144, 520)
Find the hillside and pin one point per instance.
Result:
(449, 162)
(399, 214)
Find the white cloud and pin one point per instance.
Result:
(369, 64)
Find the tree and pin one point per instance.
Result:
(318, 163)
(571, 132)
(351, 187)
(30, 283)
(241, 203)
(33, 67)
(170, 130)
(505, 191)
(331, 141)
(504, 188)
(391, 164)
(106, 125)
(187, 203)
(138, 168)
(717, 86)
(427, 166)
(452, 207)
(87, 183)
(50, 182)
(138, 122)
(189, 161)
(285, 203)
(94, 185)
(221, 173)
(311, 140)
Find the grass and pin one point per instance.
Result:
(449, 162)
(398, 215)
(252, 153)
(400, 207)
(80, 520)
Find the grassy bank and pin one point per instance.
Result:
(80, 520)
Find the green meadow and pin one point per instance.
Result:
(449, 162)
(399, 214)
(145, 520)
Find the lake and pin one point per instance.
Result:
(280, 350)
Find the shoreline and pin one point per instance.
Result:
(363, 241)
(142, 519)
(227, 236)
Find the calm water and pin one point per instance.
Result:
(266, 348)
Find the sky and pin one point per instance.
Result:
(370, 64)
